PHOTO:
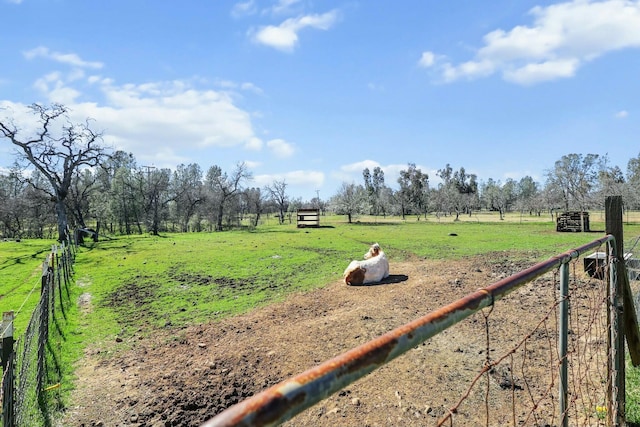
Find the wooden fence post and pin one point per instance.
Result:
(43, 326)
(8, 357)
(6, 328)
(613, 219)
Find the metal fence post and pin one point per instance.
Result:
(563, 343)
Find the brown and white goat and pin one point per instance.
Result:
(374, 250)
(373, 269)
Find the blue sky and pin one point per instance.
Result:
(313, 92)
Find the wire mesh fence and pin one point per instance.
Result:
(515, 378)
(546, 353)
(32, 370)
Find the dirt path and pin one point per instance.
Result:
(185, 377)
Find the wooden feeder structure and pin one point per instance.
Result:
(573, 221)
(308, 218)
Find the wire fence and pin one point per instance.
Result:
(518, 376)
(32, 367)
(558, 361)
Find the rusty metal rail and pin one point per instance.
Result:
(283, 401)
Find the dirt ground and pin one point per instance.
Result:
(185, 377)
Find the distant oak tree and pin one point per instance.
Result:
(57, 149)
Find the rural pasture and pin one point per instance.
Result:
(173, 328)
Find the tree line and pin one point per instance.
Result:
(576, 182)
(64, 178)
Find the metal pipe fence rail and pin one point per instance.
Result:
(31, 365)
(283, 401)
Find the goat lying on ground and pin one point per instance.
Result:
(374, 250)
(373, 269)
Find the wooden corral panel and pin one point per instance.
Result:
(573, 221)
(308, 218)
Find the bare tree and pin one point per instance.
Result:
(499, 196)
(350, 200)
(58, 149)
(575, 176)
(254, 200)
(79, 198)
(188, 192)
(633, 183)
(225, 186)
(278, 194)
(458, 191)
(611, 182)
(467, 186)
(527, 192)
(374, 186)
(127, 200)
(154, 189)
(12, 205)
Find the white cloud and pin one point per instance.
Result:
(64, 58)
(244, 8)
(251, 88)
(427, 59)
(254, 144)
(622, 114)
(284, 6)
(358, 167)
(64, 95)
(284, 37)
(281, 148)
(308, 177)
(252, 164)
(245, 86)
(562, 38)
(156, 120)
(172, 111)
(280, 38)
(549, 70)
(305, 178)
(352, 172)
(470, 69)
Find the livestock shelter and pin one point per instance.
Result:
(573, 221)
(308, 218)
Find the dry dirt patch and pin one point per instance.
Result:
(184, 377)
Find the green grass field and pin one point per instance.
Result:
(141, 283)
(159, 280)
(20, 273)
